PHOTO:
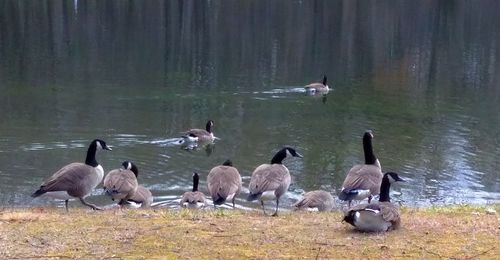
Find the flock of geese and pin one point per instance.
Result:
(269, 181)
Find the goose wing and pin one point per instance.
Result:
(314, 85)
(268, 177)
(197, 132)
(389, 211)
(192, 197)
(120, 183)
(143, 196)
(70, 178)
(314, 199)
(365, 177)
(223, 181)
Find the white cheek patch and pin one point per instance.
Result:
(391, 180)
(99, 145)
(288, 153)
(129, 165)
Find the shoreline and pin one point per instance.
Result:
(463, 232)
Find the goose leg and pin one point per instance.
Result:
(92, 206)
(263, 209)
(66, 205)
(370, 199)
(234, 197)
(277, 206)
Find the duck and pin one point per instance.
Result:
(317, 87)
(363, 180)
(377, 217)
(121, 184)
(317, 199)
(76, 180)
(195, 198)
(224, 183)
(271, 181)
(200, 135)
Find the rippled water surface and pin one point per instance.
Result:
(137, 74)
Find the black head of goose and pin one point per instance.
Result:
(121, 184)
(316, 200)
(377, 217)
(317, 87)
(200, 135)
(224, 183)
(76, 180)
(194, 198)
(271, 181)
(363, 180)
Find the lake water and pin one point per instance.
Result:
(423, 75)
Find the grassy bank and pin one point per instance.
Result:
(461, 232)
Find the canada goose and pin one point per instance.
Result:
(317, 87)
(76, 180)
(363, 180)
(142, 196)
(121, 184)
(201, 135)
(224, 183)
(271, 181)
(195, 198)
(318, 199)
(377, 217)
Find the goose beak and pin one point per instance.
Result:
(107, 148)
(299, 155)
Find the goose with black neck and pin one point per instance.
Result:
(363, 180)
(377, 217)
(76, 180)
(271, 181)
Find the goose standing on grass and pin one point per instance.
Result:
(317, 87)
(317, 199)
(195, 198)
(200, 135)
(224, 183)
(121, 184)
(271, 181)
(363, 180)
(377, 217)
(76, 180)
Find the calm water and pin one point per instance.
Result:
(423, 75)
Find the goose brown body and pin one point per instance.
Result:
(318, 87)
(224, 183)
(142, 196)
(201, 135)
(120, 184)
(319, 199)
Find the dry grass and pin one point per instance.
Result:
(461, 232)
